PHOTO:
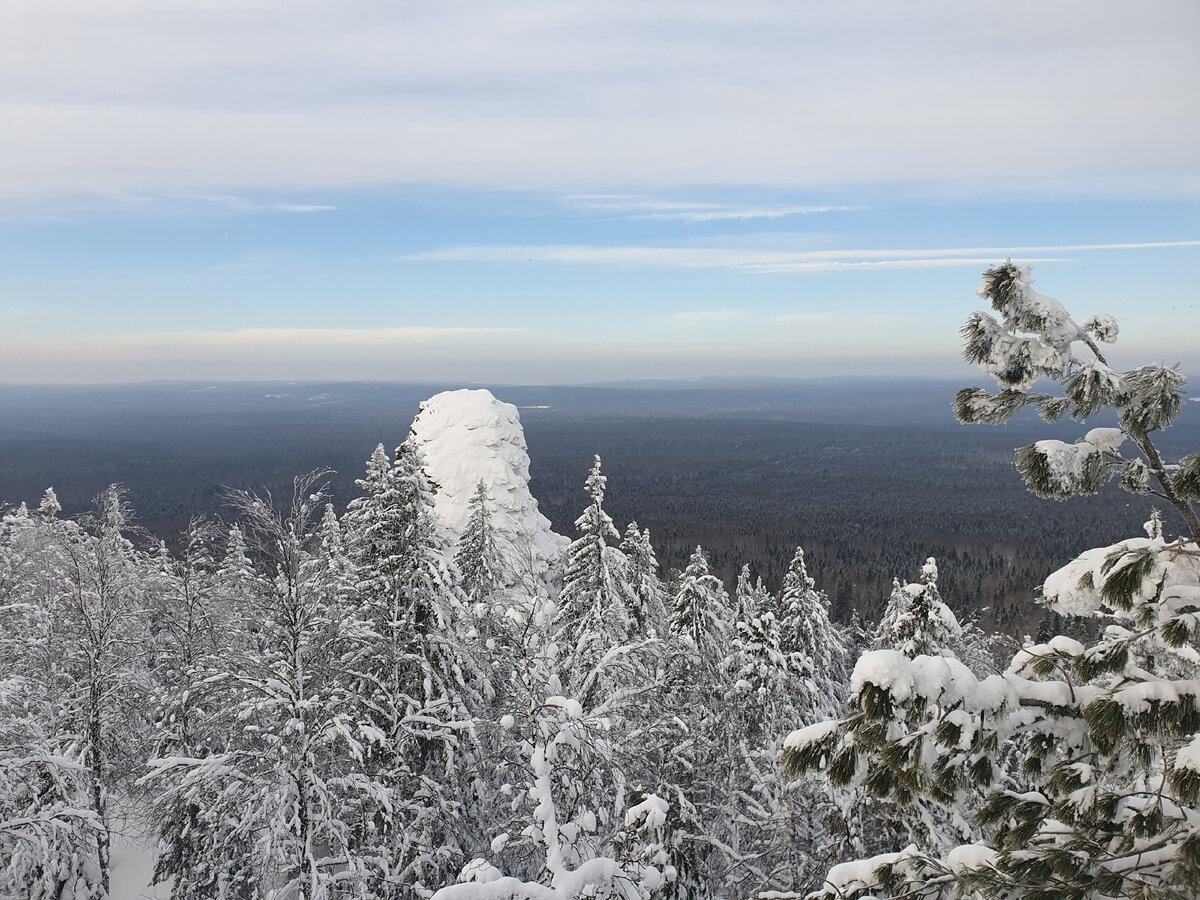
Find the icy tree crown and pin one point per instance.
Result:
(1034, 338)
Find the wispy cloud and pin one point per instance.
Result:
(636, 206)
(293, 337)
(751, 260)
(245, 339)
(836, 320)
(232, 202)
(745, 213)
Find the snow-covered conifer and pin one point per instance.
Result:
(751, 598)
(701, 617)
(917, 622)
(49, 507)
(594, 609)
(411, 674)
(477, 557)
(650, 611)
(805, 630)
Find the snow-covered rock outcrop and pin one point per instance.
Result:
(467, 436)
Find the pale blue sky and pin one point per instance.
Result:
(564, 192)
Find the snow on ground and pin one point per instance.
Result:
(132, 865)
(468, 435)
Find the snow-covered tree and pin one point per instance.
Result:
(650, 609)
(594, 608)
(779, 826)
(750, 597)
(411, 675)
(1036, 337)
(51, 835)
(701, 617)
(806, 631)
(477, 557)
(1107, 800)
(196, 625)
(916, 621)
(278, 799)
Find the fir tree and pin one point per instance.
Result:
(806, 631)
(750, 598)
(701, 617)
(917, 622)
(477, 557)
(411, 675)
(649, 611)
(594, 607)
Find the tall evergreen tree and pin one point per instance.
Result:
(806, 631)
(594, 606)
(411, 675)
(477, 556)
(701, 617)
(649, 612)
(751, 598)
(917, 622)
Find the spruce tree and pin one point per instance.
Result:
(411, 675)
(806, 631)
(702, 618)
(477, 556)
(917, 622)
(649, 611)
(594, 609)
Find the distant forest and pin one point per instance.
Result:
(870, 477)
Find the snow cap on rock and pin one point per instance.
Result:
(468, 436)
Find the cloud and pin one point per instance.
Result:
(837, 320)
(406, 351)
(742, 213)
(231, 202)
(778, 261)
(269, 95)
(639, 207)
(249, 338)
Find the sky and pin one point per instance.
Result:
(565, 192)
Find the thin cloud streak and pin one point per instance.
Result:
(249, 338)
(231, 202)
(690, 212)
(743, 214)
(769, 260)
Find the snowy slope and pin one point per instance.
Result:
(469, 435)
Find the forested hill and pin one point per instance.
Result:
(870, 476)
